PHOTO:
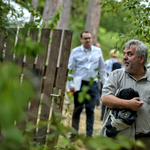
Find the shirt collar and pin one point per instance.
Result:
(147, 74)
(83, 49)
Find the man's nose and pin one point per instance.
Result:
(125, 56)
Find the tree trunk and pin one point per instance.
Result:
(34, 3)
(51, 6)
(64, 18)
(93, 18)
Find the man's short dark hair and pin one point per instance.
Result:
(84, 32)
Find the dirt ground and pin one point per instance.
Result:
(82, 127)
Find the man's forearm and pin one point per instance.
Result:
(112, 101)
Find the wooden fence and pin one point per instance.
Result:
(50, 72)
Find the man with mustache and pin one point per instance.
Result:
(133, 75)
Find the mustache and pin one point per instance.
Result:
(125, 61)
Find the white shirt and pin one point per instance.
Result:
(86, 64)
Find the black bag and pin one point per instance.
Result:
(116, 65)
(121, 119)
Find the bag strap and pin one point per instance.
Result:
(107, 109)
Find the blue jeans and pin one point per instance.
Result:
(89, 107)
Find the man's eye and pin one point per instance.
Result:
(129, 54)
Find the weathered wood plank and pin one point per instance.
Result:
(30, 60)
(22, 34)
(61, 77)
(45, 41)
(10, 44)
(21, 38)
(40, 65)
(35, 75)
(48, 83)
(2, 39)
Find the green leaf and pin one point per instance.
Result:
(140, 144)
(30, 126)
(128, 17)
(85, 89)
(125, 142)
(71, 71)
(13, 134)
(87, 96)
(91, 81)
(81, 97)
(125, 19)
(70, 78)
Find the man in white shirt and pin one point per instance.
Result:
(86, 61)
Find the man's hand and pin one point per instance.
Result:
(135, 103)
(72, 89)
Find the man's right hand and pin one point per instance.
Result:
(135, 103)
(72, 89)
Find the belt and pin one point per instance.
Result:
(87, 82)
(140, 135)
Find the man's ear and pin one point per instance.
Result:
(142, 59)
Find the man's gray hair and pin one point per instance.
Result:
(141, 48)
